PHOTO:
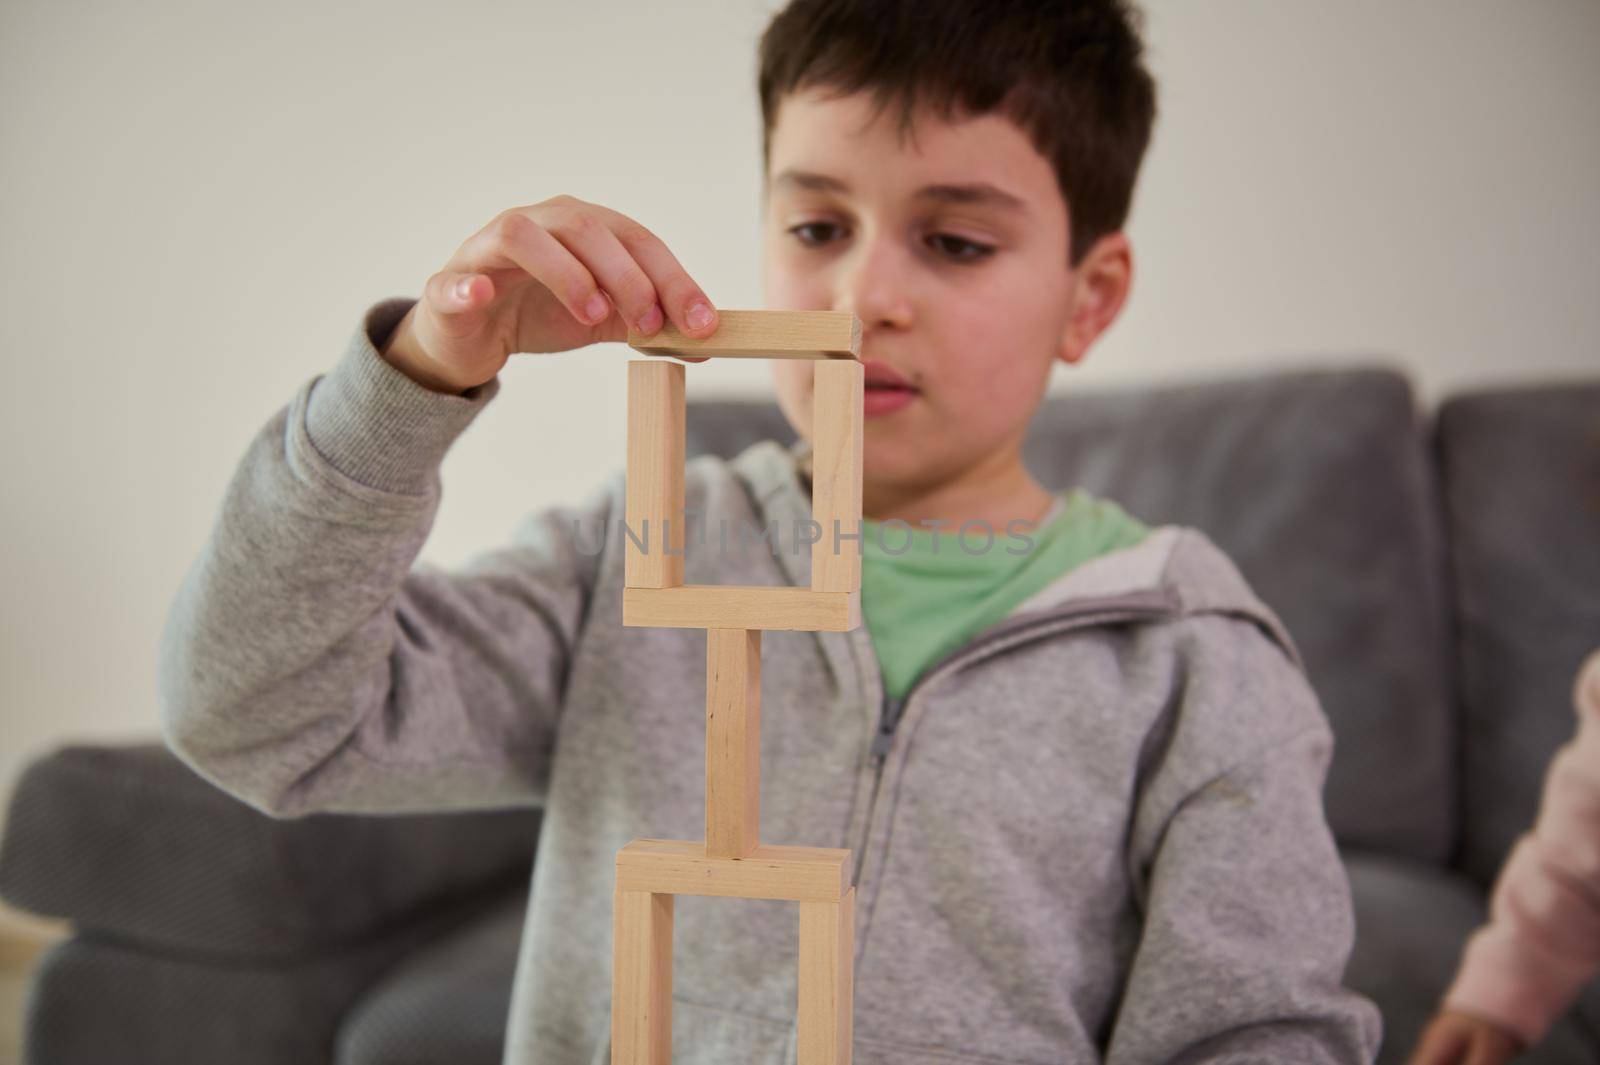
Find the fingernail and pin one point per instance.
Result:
(699, 316)
(464, 289)
(650, 321)
(596, 308)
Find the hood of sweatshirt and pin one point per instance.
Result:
(1174, 571)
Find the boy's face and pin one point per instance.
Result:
(963, 293)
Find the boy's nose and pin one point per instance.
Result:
(874, 289)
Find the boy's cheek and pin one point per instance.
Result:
(790, 283)
(787, 284)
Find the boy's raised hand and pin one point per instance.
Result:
(557, 275)
(1454, 1038)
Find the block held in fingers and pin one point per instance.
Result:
(762, 334)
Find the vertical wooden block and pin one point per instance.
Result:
(827, 980)
(655, 476)
(733, 742)
(641, 978)
(836, 438)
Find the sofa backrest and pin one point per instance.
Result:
(1317, 483)
(1520, 470)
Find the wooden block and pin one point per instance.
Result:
(641, 978)
(681, 867)
(655, 476)
(741, 606)
(827, 981)
(836, 436)
(763, 335)
(733, 742)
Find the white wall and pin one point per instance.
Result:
(199, 200)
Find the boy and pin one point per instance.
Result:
(1081, 783)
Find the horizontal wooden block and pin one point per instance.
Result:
(681, 867)
(762, 335)
(741, 606)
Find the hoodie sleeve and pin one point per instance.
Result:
(307, 665)
(1542, 943)
(1247, 917)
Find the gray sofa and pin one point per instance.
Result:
(1440, 571)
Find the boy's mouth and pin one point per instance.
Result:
(884, 389)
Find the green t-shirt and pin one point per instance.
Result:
(923, 595)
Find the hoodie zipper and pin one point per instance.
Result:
(1126, 607)
(887, 719)
(882, 740)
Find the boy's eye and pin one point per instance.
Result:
(950, 246)
(959, 248)
(811, 240)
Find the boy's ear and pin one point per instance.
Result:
(1099, 289)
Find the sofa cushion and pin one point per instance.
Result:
(1317, 484)
(1521, 480)
(1411, 921)
(98, 999)
(129, 840)
(445, 1005)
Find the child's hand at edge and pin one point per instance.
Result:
(1457, 1038)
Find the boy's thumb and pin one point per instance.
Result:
(452, 292)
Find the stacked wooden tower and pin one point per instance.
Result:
(732, 861)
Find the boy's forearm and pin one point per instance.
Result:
(282, 617)
(284, 647)
(377, 425)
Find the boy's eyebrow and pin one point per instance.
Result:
(976, 192)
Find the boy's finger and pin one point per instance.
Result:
(1440, 1045)
(690, 309)
(585, 234)
(1485, 1050)
(518, 241)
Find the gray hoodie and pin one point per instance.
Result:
(1093, 833)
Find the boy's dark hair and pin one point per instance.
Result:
(1068, 72)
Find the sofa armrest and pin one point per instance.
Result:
(129, 841)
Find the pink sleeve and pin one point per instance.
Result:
(1542, 943)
